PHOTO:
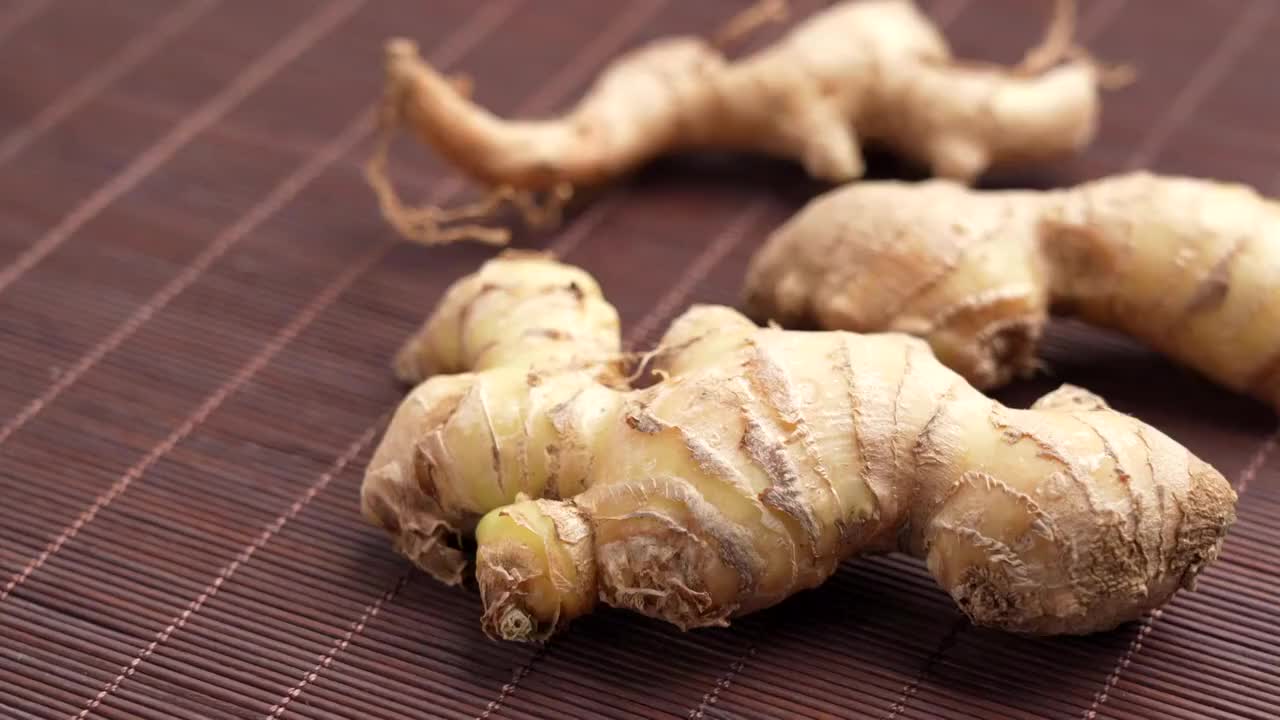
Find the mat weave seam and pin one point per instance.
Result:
(137, 51)
(724, 682)
(1230, 47)
(339, 645)
(273, 202)
(912, 686)
(211, 403)
(21, 15)
(250, 78)
(509, 688)
(229, 570)
(319, 159)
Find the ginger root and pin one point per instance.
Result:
(521, 358)
(874, 72)
(761, 460)
(1190, 267)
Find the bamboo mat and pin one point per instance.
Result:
(198, 303)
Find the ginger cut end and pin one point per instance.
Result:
(402, 63)
(507, 574)
(536, 569)
(399, 49)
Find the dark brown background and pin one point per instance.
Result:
(197, 307)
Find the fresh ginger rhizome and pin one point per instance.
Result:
(761, 460)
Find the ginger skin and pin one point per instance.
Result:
(765, 457)
(870, 72)
(1189, 267)
(534, 349)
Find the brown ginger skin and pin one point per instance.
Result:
(873, 72)
(764, 458)
(1190, 267)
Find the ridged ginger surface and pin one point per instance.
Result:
(1190, 267)
(760, 461)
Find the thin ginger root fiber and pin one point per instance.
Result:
(761, 460)
(869, 71)
(1190, 267)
